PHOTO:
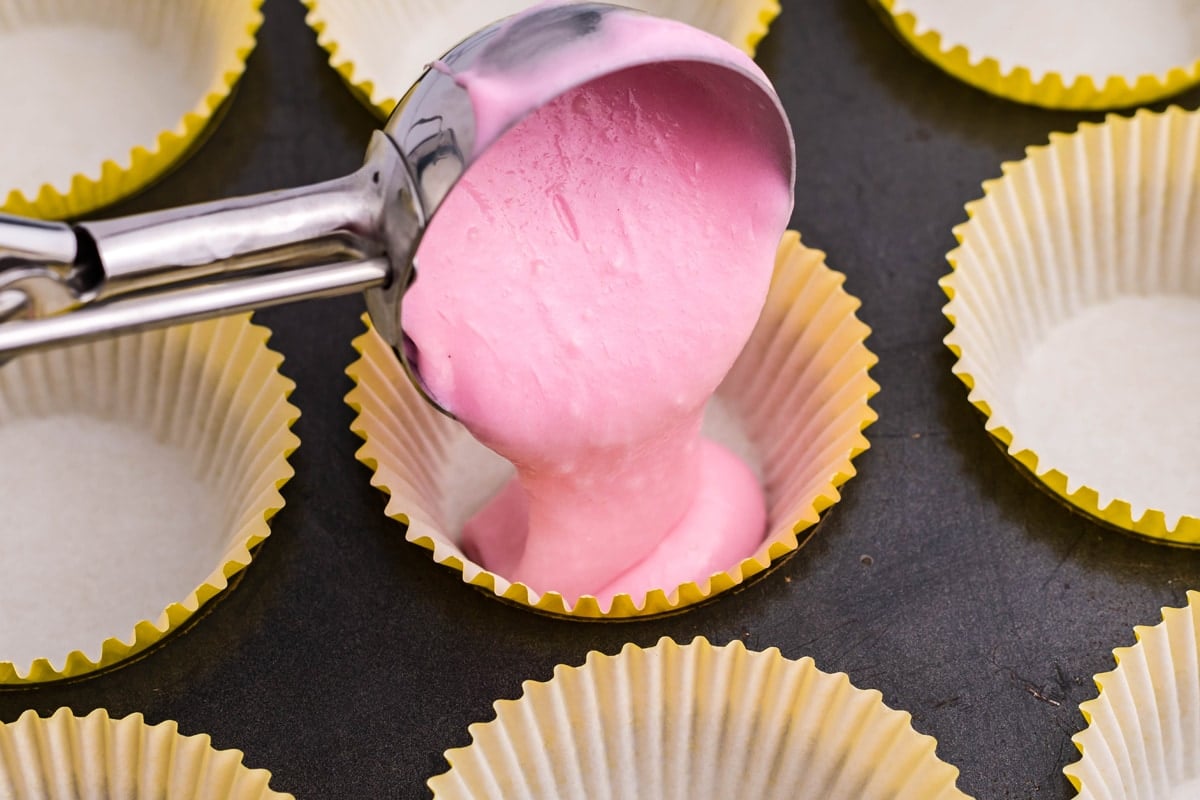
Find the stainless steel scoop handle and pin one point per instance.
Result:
(191, 304)
(37, 267)
(199, 261)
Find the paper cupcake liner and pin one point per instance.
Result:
(78, 137)
(65, 757)
(794, 405)
(1075, 300)
(137, 475)
(1059, 54)
(361, 38)
(696, 721)
(1143, 734)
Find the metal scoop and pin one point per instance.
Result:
(62, 284)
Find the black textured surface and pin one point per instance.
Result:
(345, 661)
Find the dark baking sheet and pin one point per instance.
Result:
(346, 662)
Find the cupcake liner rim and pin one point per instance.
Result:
(145, 633)
(122, 175)
(365, 89)
(1051, 90)
(1117, 512)
(1089, 709)
(598, 665)
(92, 738)
(660, 601)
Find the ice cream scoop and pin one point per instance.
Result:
(69, 283)
(620, 241)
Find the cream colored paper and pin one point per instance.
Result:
(1070, 37)
(692, 722)
(65, 757)
(1076, 304)
(1143, 734)
(362, 37)
(100, 96)
(135, 474)
(1082, 54)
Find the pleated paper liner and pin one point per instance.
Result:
(1058, 53)
(1075, 299)
(1143, 734)
(65, 757)
(696, 721)
(136, 476)
(794, 405)
(110, 94)
(381, 47)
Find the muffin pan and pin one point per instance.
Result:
(346, 662)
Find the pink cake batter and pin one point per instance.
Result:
(581, 294)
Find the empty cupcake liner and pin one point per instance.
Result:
(1062, 53)
(1143, 734)
(381, 48)
(1075, 299)
(65, 757)
(794, 406)
(111, 94)
(696, 721)
(137, 474)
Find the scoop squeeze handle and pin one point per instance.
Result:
(61, 284)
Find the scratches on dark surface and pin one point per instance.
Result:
(1066, 555)
(1039, 696)
(1053, 694)
(949, 702)
(828, 632)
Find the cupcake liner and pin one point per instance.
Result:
(79, 136)
(1059, 54)
(137, 475)
(1143, 734)
(65, 757)
(794, 406)
(379, 67)
(1075, 300)
(696, 721)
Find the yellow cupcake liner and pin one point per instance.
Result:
(1143, 734)
(361, 38)
(683, 721)
(796, 399)
(80, 135)
(65, 757)
(1065, 28)
(1075, 299)
(138, 474)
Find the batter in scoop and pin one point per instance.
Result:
(581, 294)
